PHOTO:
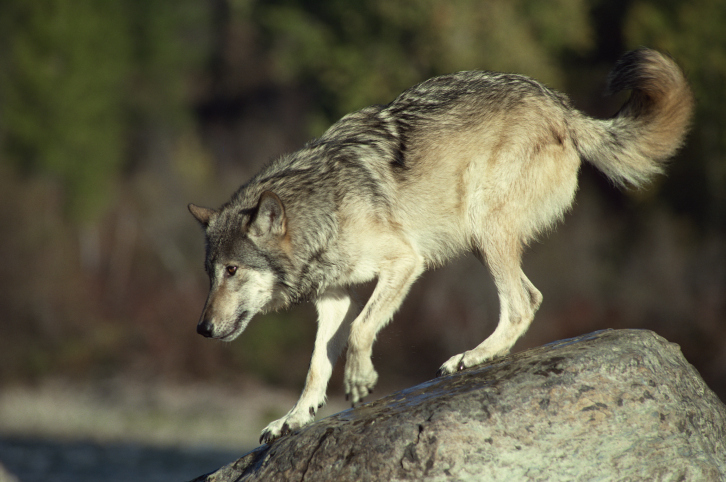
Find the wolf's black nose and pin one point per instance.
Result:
(205, 328)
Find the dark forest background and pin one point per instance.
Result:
(115, 115)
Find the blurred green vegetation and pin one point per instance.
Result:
(115, 115)
(270, 345)
(353, 55)
(81, 82)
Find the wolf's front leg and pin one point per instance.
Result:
(394, 280)
(335, 311)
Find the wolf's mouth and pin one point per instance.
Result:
(239, 325)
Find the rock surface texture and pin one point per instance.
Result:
(611, 405)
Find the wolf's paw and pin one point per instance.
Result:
(360, 378)
(295, 419)
(452, 365)
(463, 361)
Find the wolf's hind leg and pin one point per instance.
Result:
(518, 302)
(335, 312)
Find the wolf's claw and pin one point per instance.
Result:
(266, 437)
(453, 365)
(360, 378)
(295, 419)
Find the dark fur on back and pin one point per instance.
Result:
(367, 154)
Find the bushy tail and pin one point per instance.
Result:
(632, 147)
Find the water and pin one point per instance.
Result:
(42, 460)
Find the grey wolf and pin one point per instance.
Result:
(476, 162)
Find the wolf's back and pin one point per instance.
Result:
(632, 147)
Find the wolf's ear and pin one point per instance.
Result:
(203, 215)
(270, 216)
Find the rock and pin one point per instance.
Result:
(611, 405)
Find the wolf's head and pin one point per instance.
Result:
(244, 261)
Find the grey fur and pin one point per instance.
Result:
(472, 161)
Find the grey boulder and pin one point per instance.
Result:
(610, 405)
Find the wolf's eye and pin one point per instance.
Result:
(231, 270)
